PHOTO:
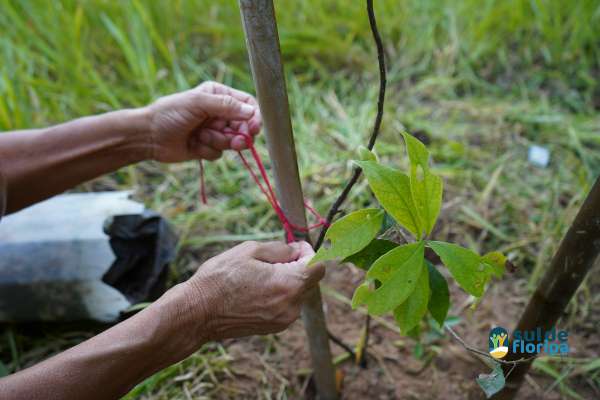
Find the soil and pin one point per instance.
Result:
(392, 371)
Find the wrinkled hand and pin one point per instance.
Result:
(192, 124)
(253, 288)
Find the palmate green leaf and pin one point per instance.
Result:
(398, 271)
(439, 303)
(411, 311)
(392, 190)
(350, 234)
(426, 188)
(464, 265)
(367, 256)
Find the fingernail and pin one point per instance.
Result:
(247, 109)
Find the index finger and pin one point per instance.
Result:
(219, 88)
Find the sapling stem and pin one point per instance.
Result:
(262, 41)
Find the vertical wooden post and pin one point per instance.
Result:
(262, 40)
(576, 255)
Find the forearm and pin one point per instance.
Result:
(110, 364)
(40, 163)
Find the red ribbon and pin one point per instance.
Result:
(267, 189)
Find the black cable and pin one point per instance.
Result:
(376, 127)
(357, 171)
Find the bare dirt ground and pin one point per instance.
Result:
(264, 366)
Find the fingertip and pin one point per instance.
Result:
(304, 248)
(247, 111)
(319, 270)
(244, 127)
(254, 126)
(238, 143)
(314, 273)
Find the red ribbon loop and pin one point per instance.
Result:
(267, 189)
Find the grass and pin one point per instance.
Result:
(197, 376)
(480, 80)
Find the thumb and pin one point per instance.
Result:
(227, 107)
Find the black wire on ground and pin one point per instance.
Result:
(335, 207)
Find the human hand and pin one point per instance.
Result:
(253, 288)
(193, 124)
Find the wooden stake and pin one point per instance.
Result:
(576, 255)
(262, 40)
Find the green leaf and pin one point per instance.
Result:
(392, 189)
(387, 265)
(350, 234)
(426, 189)
(398, 271)
(439, 303)
(361, 294)
(367, 256)
(365, 154)
(409, 314)
(464, 265)
(417, 152)
(427, 196)
(493, 382)
(496, 261)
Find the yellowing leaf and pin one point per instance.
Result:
(398, 271)
(392, 190)
(367, 256)
(350, 234)
(464, 265)
(439, 303)
(496, 261)
(409, 313)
